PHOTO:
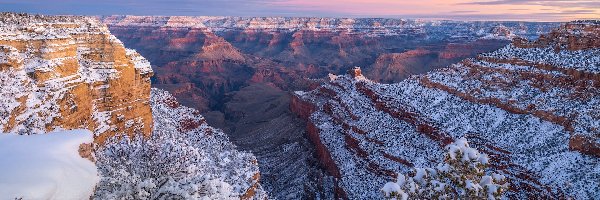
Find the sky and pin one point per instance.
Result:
(505, 10)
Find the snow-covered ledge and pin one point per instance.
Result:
(46, 166)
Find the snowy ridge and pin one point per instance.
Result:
(20, 26)
(532, 110)
(582, 60)
(184, 158)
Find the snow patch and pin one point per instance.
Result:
(46, 166)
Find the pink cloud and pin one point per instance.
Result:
(539, 10)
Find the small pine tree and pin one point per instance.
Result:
(462, 175)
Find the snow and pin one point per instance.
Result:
(140, 63)
(421, 174)
(470, 185)
(32, 47)
(390, 187)
(485, 180)
(46, 166)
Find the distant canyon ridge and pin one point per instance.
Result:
(201, 59)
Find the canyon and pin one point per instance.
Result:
(240, 71)
(200, 59)
(304, 107)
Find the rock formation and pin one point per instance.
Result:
(531, 108)
(67, 73)
(571, 36)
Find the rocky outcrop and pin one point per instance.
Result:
(59, 72)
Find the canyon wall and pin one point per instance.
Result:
(201, 59)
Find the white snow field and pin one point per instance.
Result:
(46, 166)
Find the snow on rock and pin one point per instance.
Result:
(46, 166)
(530, 110)
(140, 63)
(184, 158)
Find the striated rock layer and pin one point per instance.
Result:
(66, 72)
(532, 108)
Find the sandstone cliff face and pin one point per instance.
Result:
(532, 109)
(70, 72)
